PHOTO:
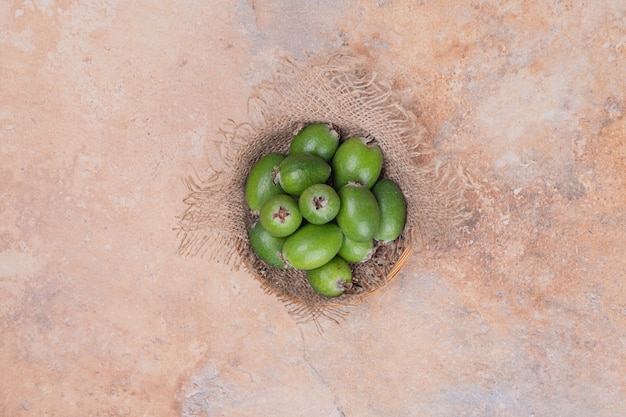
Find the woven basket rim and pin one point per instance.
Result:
(255, 266)
(393, 273)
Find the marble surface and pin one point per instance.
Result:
(105, 106)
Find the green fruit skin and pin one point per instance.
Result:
(324, 194)
(312, 245)
(267, 247)
(329, 279)
(275, 226)
(260, 185)
(320, 139)
(359, 214)
(352, 251)
(355, 161)
(300, 171)
(392, 210)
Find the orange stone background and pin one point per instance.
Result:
(106, 106)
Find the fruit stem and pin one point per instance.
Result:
(275, 175)
(286, 263)
(356, 183)
(333, 130)
(368, 140)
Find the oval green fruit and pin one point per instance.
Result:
(357, 160)
(358, 215)
(267, 247)
(312, 245)
(392, 210)
(319, 203)
(353, 251)
(320, 139)
(260, 185)
(298, 172)
(330, 279)
(280, 215)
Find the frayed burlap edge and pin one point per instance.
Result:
(342, 89)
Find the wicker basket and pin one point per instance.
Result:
(291, 286)
(342, 89)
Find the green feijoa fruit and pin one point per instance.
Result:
(298, 172)
(320, 139)
(358, 215)
(357, 160)
(319, 203)
(330, 279)
(260, 185)
(267, 247)
(280, 215)
(312, 245)
(353, 251)
(392, 207)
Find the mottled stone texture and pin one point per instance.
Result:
(105, 106)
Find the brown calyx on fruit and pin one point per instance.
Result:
(281, 214)
(319, 202)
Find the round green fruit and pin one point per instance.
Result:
(320, 139)
(358, 215)
(280, 215)
(330, 279)
(298, 172)
(357, 160)
(312, 245)
(267, 247)
(319, 203)
(392, 210)
(353, 251)
(260, 185)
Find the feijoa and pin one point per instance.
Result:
(267, 247)
(319, 203)
(260, 185)
(353, 251)
(312, 245)
(358, 215)
(330, 279)
(392, 207)
(299, 171)
(357, 160)
(320, 139)
(280, 215)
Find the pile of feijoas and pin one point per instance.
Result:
(323, 206)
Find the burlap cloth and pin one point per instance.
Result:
(343, 89)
